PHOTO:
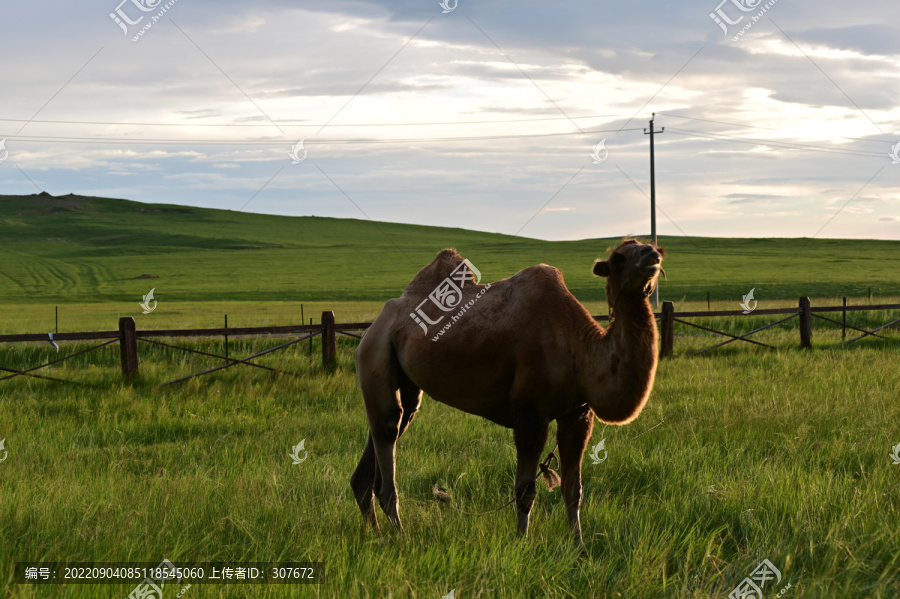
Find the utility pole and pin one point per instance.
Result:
(654, 298)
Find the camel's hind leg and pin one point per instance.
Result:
(385, 486)
(391, 403)
(363, 482)
(410, 400)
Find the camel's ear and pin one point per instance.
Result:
(601, 268)
(662, 251)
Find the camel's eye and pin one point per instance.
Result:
(617, 260)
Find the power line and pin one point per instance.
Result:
(692, 118)
(438, 123)
(325, 142)
(421, 124)
(329, 142)
(776, 144)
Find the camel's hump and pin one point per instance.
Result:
(448, 260)
(435, 272)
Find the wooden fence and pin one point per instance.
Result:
(805, 312)
(128, 336)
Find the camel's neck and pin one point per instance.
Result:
(621, 364)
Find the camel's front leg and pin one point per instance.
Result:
(530, 432)
(572, 433)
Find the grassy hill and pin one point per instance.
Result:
(84, 249)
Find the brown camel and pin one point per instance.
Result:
(520, 352)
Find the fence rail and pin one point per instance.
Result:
(804, 312)
(328, 329)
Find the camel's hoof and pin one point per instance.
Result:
(396, 527)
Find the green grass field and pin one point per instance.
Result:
(74, 250)
(778, 455)
(742, 453)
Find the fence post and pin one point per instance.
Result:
(329, 349)
(844, 321)
(805, 323)
(128, 346)
(668, 329)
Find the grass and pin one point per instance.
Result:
(780, 455)
(41, 318)
(19, 318)
(742, 454)
(76, 250)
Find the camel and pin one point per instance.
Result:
(520, 352)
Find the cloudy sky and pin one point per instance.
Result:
(484, 117)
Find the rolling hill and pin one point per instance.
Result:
(85, 249)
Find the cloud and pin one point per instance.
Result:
(750, 198)
(857, 209)
(878, 39)
(768, 131)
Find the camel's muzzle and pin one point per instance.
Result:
(651, 264)
(651, 270)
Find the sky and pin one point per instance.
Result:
(525, 118)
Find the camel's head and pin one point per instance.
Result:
(631, 267)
